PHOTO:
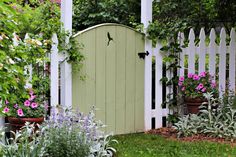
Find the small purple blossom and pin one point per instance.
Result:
(27, 103)
(190, 75)
(34, 105)
(32, 97)
(196, 77)
(6, 110)
(202, 74)
(213, 84)
(6, 102)
(20, 112)
(15, 106)
(180, 83)
(203, 90)
(183, 89)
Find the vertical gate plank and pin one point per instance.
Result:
(202, 52)
(212, 53)
(130, 80)
(139, 89)
(110, 79)
(120, 79)
(191, 52)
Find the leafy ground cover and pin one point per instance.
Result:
(148, 145)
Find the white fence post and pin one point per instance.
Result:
(66, 72)
(202, 52)
(222, 64)
(191, 52)
(146, 17)
(212, 53)
(232, 49)
(54, 95)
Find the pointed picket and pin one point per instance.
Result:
(212, 53)
(222, 63)
(191, 52)
(202, 51)
(232, 48)
(182, 54)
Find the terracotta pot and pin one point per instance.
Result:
(17, 123)
(193, 104)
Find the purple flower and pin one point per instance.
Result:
(180, 83)
(6, 102)
(6, 110)
(32, 97)
(34, 105)
(196, 77)
(202, 74)
(181, 78)
(31, 92)
(183, 89)
(27, 103)
(16, 106)
(200, 86)
(20, 112)
(190, 75)
(213, 84)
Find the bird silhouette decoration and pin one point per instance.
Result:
(109, 38)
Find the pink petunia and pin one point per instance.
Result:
(31, 92)
(20, 112)
(183, 89)
(180, 83)
(15, 106)
(202, 74)
(34, 105)
(203, 90)
(181, 78)
(195, 77)
(27, 103)
(190, 75)
(32, 97)
(6, 110)
(200, 86)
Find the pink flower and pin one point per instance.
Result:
(32, 97)
(190, 75)
(202, 74)
(195, 77)
(213, 84)
(6, 102)
(46, 107)
(31, 92)
(34, 105)
(6, 110)
(180, 83)
(200, 86)
(16, 106)
(181, 78)
(27, 103)
(183, 89)
(20, 112)
(203, 90)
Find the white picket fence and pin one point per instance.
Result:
(209, 54)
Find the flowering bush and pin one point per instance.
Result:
(195, 85)
(28, 105)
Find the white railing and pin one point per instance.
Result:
(212, 57)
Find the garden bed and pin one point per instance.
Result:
(171, 133)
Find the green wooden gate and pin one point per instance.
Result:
(114, 81)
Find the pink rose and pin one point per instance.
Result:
(20, 112)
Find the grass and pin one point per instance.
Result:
(144, 145)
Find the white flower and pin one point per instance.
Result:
(11, 61)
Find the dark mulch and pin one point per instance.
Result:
(171, 133)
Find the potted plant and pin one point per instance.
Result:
(28, 108)
(192, 88)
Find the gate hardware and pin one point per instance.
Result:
(143, 54)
